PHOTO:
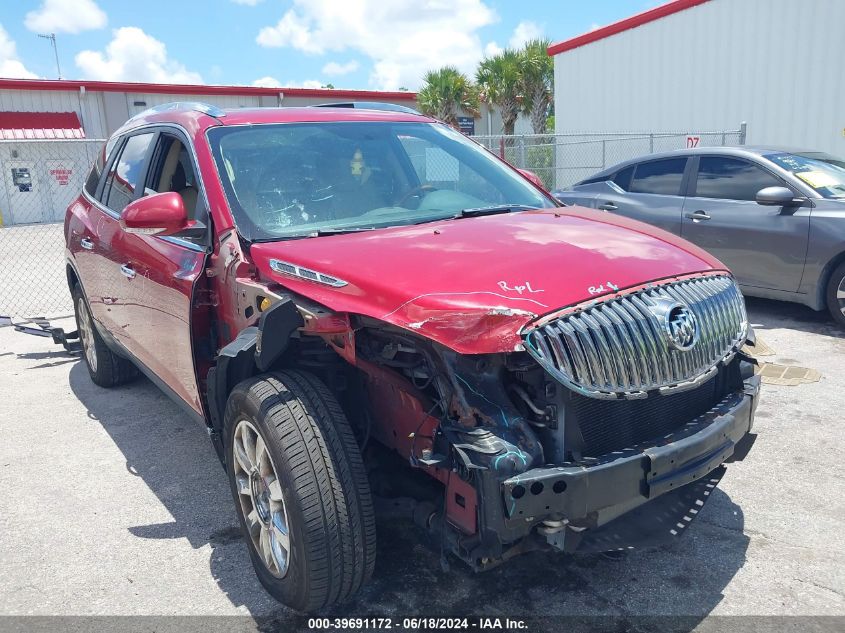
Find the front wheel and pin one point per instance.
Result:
(836, 295)
(300, 489)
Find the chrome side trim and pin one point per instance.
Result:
(286, 268)
(621, 348)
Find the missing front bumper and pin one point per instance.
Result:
(636, 487)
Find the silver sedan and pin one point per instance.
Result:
(775, 217)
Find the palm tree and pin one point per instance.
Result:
(445, 93)
(499, 79)
(537, 76)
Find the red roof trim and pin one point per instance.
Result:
(40, 125)
(197, 89)
(624, 25)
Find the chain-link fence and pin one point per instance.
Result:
(40, 179)
(561, 160)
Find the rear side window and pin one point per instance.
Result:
(659, 176)
(727, 178)
(623, 177)
(126, 171)
(594, 180)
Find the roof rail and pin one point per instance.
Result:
(192, 106)
(369, 105)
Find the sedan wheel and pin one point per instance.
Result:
(836, 295)
(261, 499)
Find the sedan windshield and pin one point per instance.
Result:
(305, 179)
(823, 173)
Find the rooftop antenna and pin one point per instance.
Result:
(52, 38)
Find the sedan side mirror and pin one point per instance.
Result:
(778, 197)
(157, 214)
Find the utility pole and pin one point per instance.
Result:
(52, 38)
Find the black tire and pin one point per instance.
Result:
(327, 501)
(106, 368)
(836, 286)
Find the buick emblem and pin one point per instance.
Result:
(681, 327)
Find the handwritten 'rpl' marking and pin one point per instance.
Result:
(595, 290)
(520, 289)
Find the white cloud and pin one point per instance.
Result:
(267, 82)
(404, 38)
(66, 16)
(595, 26)
(335, 68)
(249, 3)
(291, 30)
(524, 32)
(132, 55)
(308, 83)
(492, 49)
(272, 82)
(10, 66)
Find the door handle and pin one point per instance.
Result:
(127, 271)
(87, 244)
(608, 206)
(697, 216)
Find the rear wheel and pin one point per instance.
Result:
(836, 295)
(106, 368)
(300, 489)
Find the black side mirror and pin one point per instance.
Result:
(778, 197)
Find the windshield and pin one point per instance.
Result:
(825, 174)
(300, 179)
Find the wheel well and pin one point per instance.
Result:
(72, 278)
(824, 279)
(250, 353)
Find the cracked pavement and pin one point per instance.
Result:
(115, 503)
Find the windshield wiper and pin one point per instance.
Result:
(338, 231)
(492, 210)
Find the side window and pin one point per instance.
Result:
(623, 177)
(126, 172)
(731, 178)
(93, 179)
(172, 169)
(659, 176)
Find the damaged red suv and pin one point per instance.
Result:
(360, 301)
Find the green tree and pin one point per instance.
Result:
(445, 93)
(499, 79)
(536, 78)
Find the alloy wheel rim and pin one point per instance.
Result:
(86, 335)
(261, 499)
(840, 295)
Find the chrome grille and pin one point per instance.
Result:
(622, 348)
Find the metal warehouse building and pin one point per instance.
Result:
(101, 107)
(693, 65)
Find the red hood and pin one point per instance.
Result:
(471, 284)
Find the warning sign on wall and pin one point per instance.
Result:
(61, 175)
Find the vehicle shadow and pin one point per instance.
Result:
(174, 458)
(781, 314)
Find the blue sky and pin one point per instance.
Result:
(367, 44)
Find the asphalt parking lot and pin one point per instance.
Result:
(114, 503)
